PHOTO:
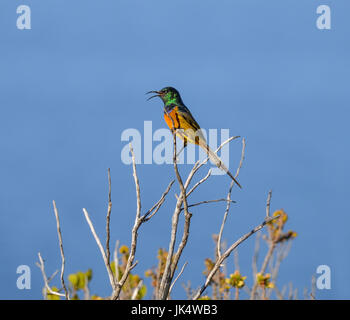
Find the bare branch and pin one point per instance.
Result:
(52, 276)
(281, 254)
(263, 268)
(86, 289)
(116, 261)
(151, 212)
(108, 217)
(268, 202)
(199, 182)
(99, 244)
(228, 205)
(41, 266)
(137, 289)
(242, 158)
(138, 221)
(178, 276)
(272, 246)
(171, 261)
(313, 288)
(229, 199)
(137, 183)
(209, 201)
(226, 254)
(256, 255)
(236, 260)
(61, 249)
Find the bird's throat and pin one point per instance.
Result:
(171, 101)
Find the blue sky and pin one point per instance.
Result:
(76, 80)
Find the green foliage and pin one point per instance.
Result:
(236, 280)
(50, 296)
(79, 281)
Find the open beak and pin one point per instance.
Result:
(158, 94)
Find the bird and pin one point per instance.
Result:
(178, 116)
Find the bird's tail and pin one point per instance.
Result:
(218, 162)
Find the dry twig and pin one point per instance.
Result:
(229, 200)
(226, 254)
(47, 287)
(178, 276)
(61, 249)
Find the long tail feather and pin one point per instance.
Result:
(214, 158)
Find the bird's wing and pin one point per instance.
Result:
(191, 128)
(195, 135)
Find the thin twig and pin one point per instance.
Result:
(242, 158)
(290, 294)
(268, 202)
(279, 294)
(209, 201)
(171, 261)
(226, 254)
(236, 260)
(186, 227)
(256, 254)
(178, 276)
(99, 244)
(137, 290)
(116, 261)
(137, 184)
(263, 268)
(218, 248)
(313, 288)
(138, 222)
(61, 249)
(151, 212)
(52, 276)
(108, 217)
(281, 254)
(228, 205)
(86, 289)
(199, 182)
(272, 246)
(41, 266)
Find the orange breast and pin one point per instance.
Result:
(172, 119)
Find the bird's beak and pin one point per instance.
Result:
(158, 94)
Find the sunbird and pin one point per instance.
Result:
(177, 116)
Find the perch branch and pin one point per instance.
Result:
(171, 261)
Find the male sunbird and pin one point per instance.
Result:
(177, 116)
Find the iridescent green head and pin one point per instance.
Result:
(169, 95)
